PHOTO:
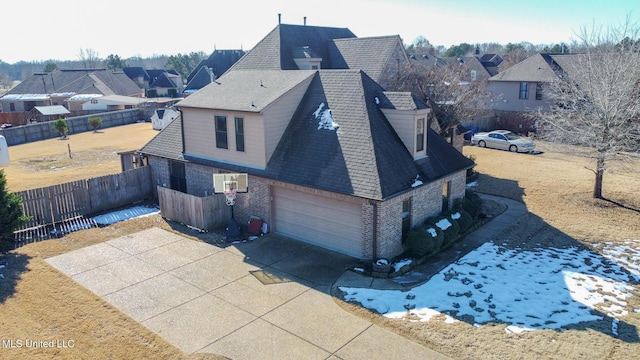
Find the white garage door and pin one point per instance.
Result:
(329, 223)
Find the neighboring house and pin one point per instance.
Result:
(113, 103)
(211, 68)
(138, 75)
(333, 159)
(54, 88)
(76, 102)
(519, 90)
(476, 70)
(164, 83)
(162, 117)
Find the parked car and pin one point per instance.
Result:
(504, 140)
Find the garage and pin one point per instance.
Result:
(326, 222)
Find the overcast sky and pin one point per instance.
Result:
(42, 30)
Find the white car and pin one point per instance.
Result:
(504, 140)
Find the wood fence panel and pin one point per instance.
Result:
(85, 197)
(204, 213)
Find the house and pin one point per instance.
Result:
(162, 117)
(519, 90)
(333, 159)
(112, 103)
(54, 88)
(164, 83)
(211, 68)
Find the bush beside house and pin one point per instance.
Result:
(438, 233)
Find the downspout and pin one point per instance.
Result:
(374, 239)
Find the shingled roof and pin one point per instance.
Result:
(370, 54)
(358, 154)
(274, 51)
(245, 90)
(536, 68)
(78, 81)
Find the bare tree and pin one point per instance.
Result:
(89, 58)
(449, 88)
(597, 96)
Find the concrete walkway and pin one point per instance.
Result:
(267, 299)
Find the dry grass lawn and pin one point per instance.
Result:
(38, 303)
(47, 162)
(557, 189)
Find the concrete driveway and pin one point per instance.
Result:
(268, 298)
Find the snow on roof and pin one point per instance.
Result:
(25, 97)
(325, 118)
(84, 97)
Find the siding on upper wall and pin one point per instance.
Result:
(505, 97)
(404, 124)
(278, 115)
(200, 136)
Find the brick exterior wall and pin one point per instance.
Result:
(426, 201)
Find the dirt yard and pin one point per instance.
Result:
(37, 302)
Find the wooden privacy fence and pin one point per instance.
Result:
(205, 213)
(85, 197)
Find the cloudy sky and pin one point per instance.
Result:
(42, 30)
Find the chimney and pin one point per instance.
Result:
(305, 21)
(279, 18)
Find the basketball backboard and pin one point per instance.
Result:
(223, 182)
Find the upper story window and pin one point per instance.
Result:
(539, 91)
(524, 90)
(221, 132)
(94, 101)
(239, 134)
(474, 75)
(420, 135)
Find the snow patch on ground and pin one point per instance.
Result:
(528, 290)
(125, 214)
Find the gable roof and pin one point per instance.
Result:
(370, 54)
(78, 81)
(536, 68)
(245, 90)
(218, 62)
(274, 51)
(472, 63)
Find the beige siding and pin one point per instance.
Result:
(200, 137)
(404, 123)
(278, 114)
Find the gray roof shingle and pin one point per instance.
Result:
(274, 51)
(79, 81)
(363, 157)
(245, 90)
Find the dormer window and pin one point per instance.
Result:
(306, 58)
(420, 135)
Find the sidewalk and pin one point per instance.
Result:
(422, 273)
